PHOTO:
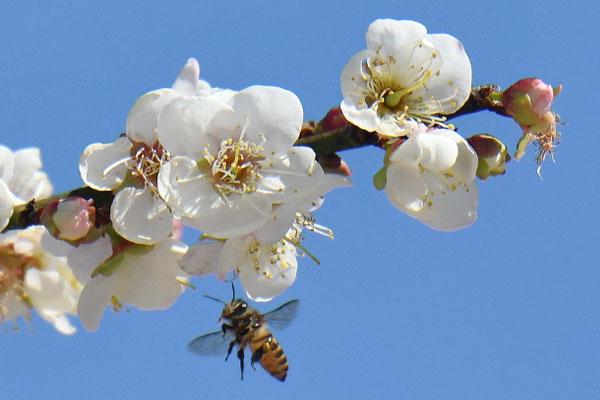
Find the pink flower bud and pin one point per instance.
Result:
(74, 218)
(528, 101)
(333, 120)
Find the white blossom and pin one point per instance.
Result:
(21, 180)
(147, 277)
(431, 178)
(33, 278)
(234, 162)
(264, 270)
(404, 75)
(137, 212)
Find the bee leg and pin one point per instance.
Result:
(240, 355)
(256, 356)
(225, 328)
(230, 349)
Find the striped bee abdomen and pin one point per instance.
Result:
(266, 350)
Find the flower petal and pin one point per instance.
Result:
(238, 216)
(141, 125)
(202, 258)
(405, 187)
(139, 216)
(152, 278)
(453, 209)
(28, 182)
(268, 276)
(93, 300)
(185, 188)
(6, 205)
(292, 175)
(450, 85)
(274, 116)
(188, 80)
(183, 125)
(104, 166)
(393, 37)
(6, 163)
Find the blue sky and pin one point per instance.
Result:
(507, 309)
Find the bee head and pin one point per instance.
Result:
(236, 308)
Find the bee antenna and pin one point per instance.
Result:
(232, 292)
(215, 299)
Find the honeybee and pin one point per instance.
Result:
(245, 327)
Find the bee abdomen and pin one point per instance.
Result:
(272, 358)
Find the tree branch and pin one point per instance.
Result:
(325, 143)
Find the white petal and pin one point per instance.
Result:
(143, 116)
(188, 80)
(297, 171)
(405, 187)
(104, 166)
(93, 300)
(273, 276)
(6, 205)
(48, 292)
(450, 89)
(86, 257)
(278, 225)
(202, 258)
(313, 200)
(183, 125)
(187, 190)
(393, 37)
(139, 216)
(452, 209)
(465, 168)
(28, 182)
(152, 277)
(6, 163)
(352, 82)
(274, 114)
(438, 153)
(240, 215)
(232, 255)
(61, 323)
(364, 118)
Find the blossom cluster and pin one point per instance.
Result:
(219, 161)
(226, 163)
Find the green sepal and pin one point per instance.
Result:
(522, 145)
(380, 178)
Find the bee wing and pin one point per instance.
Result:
(283, 315)
(211, 344)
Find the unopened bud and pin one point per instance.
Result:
(73, 218)
(333, 120)
(528, 101)
(492, 155)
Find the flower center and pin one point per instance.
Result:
(388, 96)
(148, 160)
(13, 266)
(267, 260)
(236, 167)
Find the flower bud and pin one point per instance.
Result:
(491, 153)
(74, 218)
(333, 120)
(528, 101)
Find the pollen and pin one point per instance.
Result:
(13, 267)
(236, 167)
(147, 161)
